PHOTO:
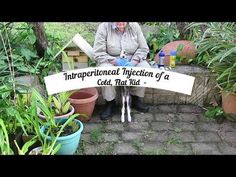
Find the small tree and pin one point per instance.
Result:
(41, 39)
(183, 32)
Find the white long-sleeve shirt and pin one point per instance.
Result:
(109, 42)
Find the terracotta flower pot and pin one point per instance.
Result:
(84, 102)
(229, 102)
(189, 51)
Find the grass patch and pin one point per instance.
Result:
(162, 151)
(178, 130)
(96, 135)
(174, 140)
(81, 148)
(136, 145)
(109, 150)
(65, 31)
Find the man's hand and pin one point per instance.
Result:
(113, 62)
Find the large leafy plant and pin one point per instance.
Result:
(17, 45)
(218, 43)
(165, 33)
(20, 39)
(28, 113)
(8, 110)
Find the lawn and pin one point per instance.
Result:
(66, 30)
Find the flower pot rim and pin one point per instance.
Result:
(61, 116)
(85, 100)
(64, 137)
(227, 92)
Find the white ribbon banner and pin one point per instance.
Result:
(119, 76)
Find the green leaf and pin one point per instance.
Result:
(64, 96)
(57, 103)
(32, 39)
(27, 53)
(155, 47)
(3, 128)
(190, 60)
(214, 112)
(43, 106)
(57, 111)
(49, 101)
(11, 111)
(24, 69)
(65, 108)
(27, 145)
(56, 149)
(6, 94)
(28, 69)
(180, 47)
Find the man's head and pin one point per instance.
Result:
(121, 25)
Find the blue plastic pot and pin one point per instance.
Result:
(70, 143)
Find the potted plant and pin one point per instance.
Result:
(67, 133)
(60, 105)
(226, 74)
(64, 133)
(33, 142)
(218, 43)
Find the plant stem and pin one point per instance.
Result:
(10, 61)
(12, 65)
